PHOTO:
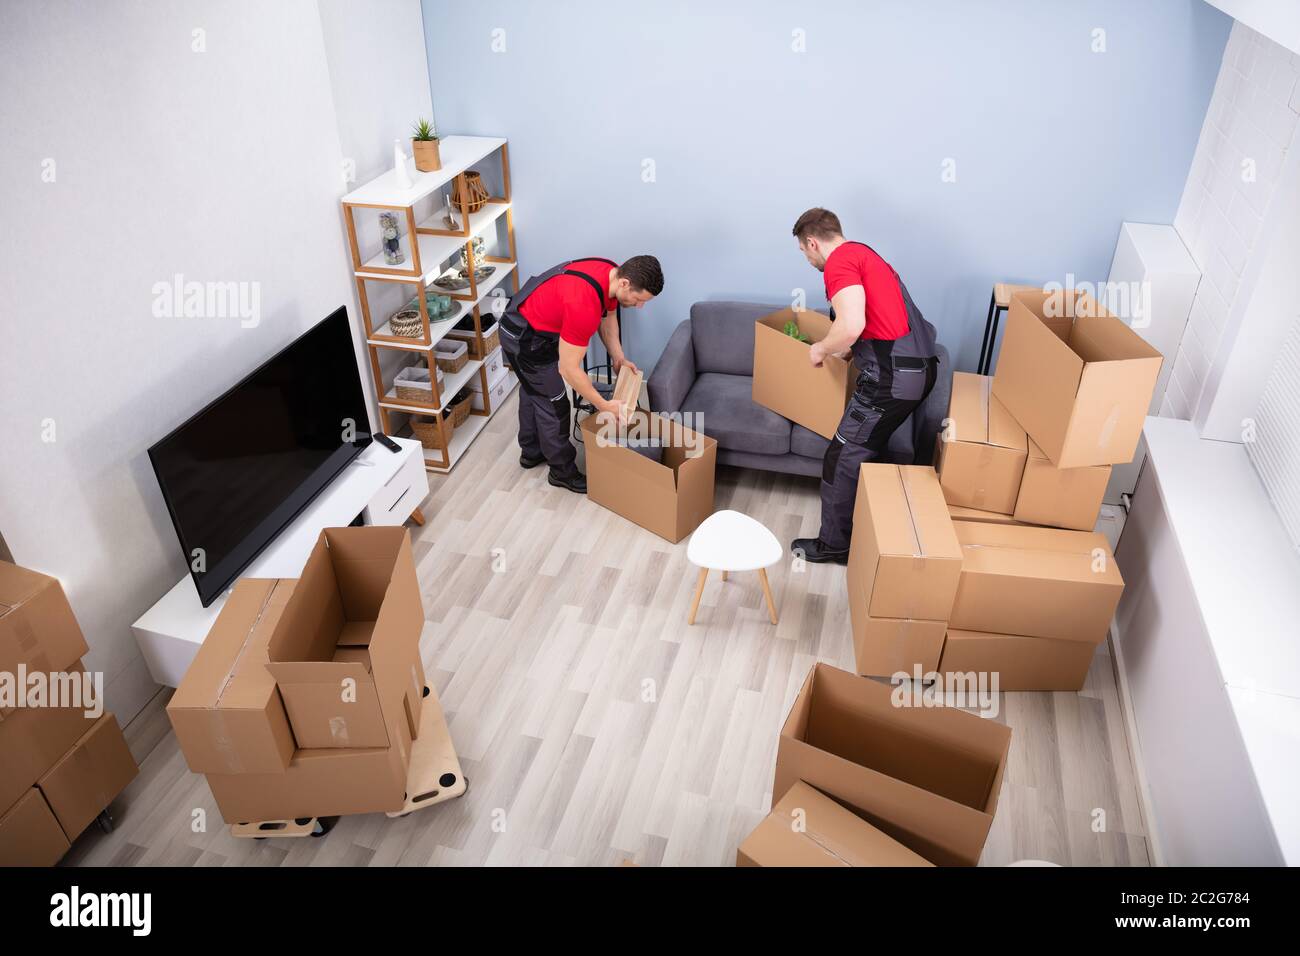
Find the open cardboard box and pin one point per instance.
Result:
(828, 835)
(786, 382)
(1078, 379)
(1037, 582)
(982, 449)
(343, 650)
(927, 776)
(227, 713)
(669, 497)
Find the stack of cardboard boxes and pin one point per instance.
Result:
(59, 767)
(1022, 465)
(862, 781)
(308, 696)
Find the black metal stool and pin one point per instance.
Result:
(999, 302)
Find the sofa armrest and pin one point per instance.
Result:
(674, 373)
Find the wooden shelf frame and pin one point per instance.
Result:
(419, 277)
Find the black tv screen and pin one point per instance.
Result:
(240, 470)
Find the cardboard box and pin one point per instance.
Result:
(927, 776)
(37, 626)
(1078, 379)
(1060, 497)
(33, 739)
(884, 646)
(342, 650)
(1021, 663)
(786, 382)
(981, 452)
(958, 513)
(1039, 582)
(904, 560)
(808, 828)
(227, 713)
(322, 782)
(669, 497)
(29, 834)
(89, 776)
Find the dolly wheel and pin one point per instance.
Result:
(105, 820)
(323, 826)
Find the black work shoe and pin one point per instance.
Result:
(526, 462)
(814, 552)
(577, 482)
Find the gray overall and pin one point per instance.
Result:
(895, 377)
(543, 401)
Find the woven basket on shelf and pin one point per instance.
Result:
(407, 323)
(475, 194)
(426, 430)
(491, 339)
(450, 361)
(413, 384)
(457, 413)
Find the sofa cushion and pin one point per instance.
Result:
(723, 335)
(729, 416)
(807, 443)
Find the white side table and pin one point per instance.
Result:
(730, 541)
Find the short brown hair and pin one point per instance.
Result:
(817, 223)
(643, 274)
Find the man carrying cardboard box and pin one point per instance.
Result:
(545, 331)
(894, 349)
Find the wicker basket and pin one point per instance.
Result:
(407, 323)
(426, 430)
(451, 355)
(475, 194)
(459, 412)
(491, 339)
(413, 384)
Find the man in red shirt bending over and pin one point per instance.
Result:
(545, 331)
(894, 349)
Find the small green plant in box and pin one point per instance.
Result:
(424, 145)
(792, 330)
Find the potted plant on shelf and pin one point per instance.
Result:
(424, 144)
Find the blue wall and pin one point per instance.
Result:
(1054, 144)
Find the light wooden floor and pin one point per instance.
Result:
(595, 726)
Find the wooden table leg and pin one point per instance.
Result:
(724, 575)
(699, 592)
(767, 593)
(418, 517)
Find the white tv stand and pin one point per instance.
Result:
(385, 488)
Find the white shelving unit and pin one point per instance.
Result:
(432, 250)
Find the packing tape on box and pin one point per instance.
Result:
(243, 647)
(986, 393)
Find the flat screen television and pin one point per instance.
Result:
(239, 471)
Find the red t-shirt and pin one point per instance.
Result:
(855, 264)
(568, 305)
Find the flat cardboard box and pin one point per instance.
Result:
(322, 782)
(669, 497)
(808, 828)
(29, 834)
(37, 626)
(1038, 582)
(981, 452)
(33, 739)
(416, 692)
(1021, 663)
(1078, 379)
(1060, 497)
(357, 590)
(904, 560)
(89, 776)
(958, 513)
(884, 646)
(786, 382)
(928, 777)
(627, 388)
(227, 712)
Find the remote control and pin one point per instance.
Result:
(388, 443)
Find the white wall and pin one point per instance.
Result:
(1225, 216)
(222, 165)
(1279, 20)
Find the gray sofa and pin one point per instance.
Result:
(707, 369)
